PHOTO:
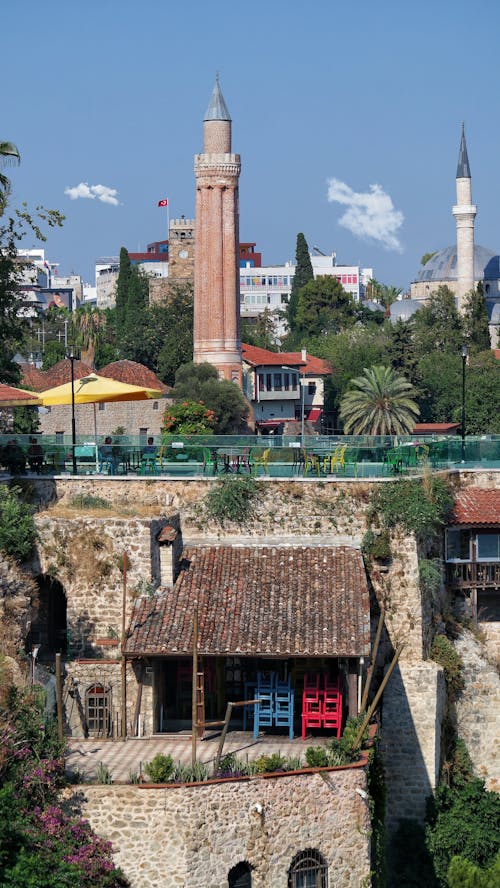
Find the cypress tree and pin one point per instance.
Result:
(476, 329)
(303, 274)
(122, 287)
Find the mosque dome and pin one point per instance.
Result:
(443, 266)
(404, 309)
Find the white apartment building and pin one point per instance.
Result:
(270, 286)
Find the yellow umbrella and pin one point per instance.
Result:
(93, 388)
(15, 397)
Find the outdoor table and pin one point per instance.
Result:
(232, 459)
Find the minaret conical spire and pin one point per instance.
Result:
(217, 108)
(463, 168)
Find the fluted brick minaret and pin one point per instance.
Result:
(216, 271)
(465, 213)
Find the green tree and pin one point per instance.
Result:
(54, 351)
(387, 296)
(303, 274)
(89, 325)
(482, 395)
(439, 380)
(464, 874)
(475, 322)
(438, 325)
(262, 332)
(401, 349)
(132, 340)
(188, 418)
(122, 286)
(200, 382)
(426, 258)
(463, 820)
(17, 526)
(324, 307)
(8, 154)
(349, 353)
(174, 318)
(380, 402)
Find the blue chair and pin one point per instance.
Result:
(264, 711)
(284, 705)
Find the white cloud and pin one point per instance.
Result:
(101, 192)
(369, 214)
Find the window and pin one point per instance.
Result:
(155, 405)
(277, 382)
(102, 406)
(240, 876)
(311, 388)
(284, 298)
(98, 710)
(286, 382)
(308, 870)
(269, 382)
(488, 546)
(458, 544)
(59, 437)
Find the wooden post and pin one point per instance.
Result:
(227, 719)
(194, 696)
(378, 695)
(352, 688)
(124, 661)
(373, 659)
(59, 698)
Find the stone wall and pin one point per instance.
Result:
(413, 708)
(82, 674)
(478, 709)
(191, 836)
(132, 416)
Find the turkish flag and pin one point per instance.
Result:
(163, 203)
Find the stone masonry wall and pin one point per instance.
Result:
(191, 836)
(414, 702)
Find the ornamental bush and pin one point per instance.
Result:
(188, 418)
(41, 846)
(444, 653)
(17, 525)
(231, 499)
(160, 768)
(419, 507)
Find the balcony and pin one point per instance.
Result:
(474, 575)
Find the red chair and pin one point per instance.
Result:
(332, 706)
(312, 704)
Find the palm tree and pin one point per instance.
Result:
(89, 325)
(388, 295)
(380, 402)
(8, 154)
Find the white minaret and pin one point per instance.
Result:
(465, 213)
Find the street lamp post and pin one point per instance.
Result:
(464, 354)
(302, 385)
(71, 357)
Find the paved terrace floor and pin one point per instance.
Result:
(124, 757)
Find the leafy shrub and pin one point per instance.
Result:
(196, 773)
(104, 775)
(464, 874)
(444, 653)
(317, 757)
(188, 418)
(463, 820)
(17, 525)
(160, 768)
(231, 499)
(377, 545)
(88, 501)
(269, 763)
(429, 576)
(420, 507)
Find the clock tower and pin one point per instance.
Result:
(216, 272)
(181, 246)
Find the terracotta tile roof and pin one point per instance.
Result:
(256, 357)
(284, 601)
(60, 373)
(33, 377)
(10, 393)
(431, 428)
(476, 506)
(134, 374)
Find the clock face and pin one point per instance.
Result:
(183, 254)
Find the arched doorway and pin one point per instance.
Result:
(240, 876)
(49, 623)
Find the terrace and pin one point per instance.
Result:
(313, 457)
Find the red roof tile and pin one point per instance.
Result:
(283, 601)
(134, 374)
(476, 506)
(33, 377)
(10, 393)
(257, 357)
(430, 428)
(60, 373)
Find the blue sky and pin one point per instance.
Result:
(360, 92)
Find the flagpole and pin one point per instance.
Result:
(168, 223)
